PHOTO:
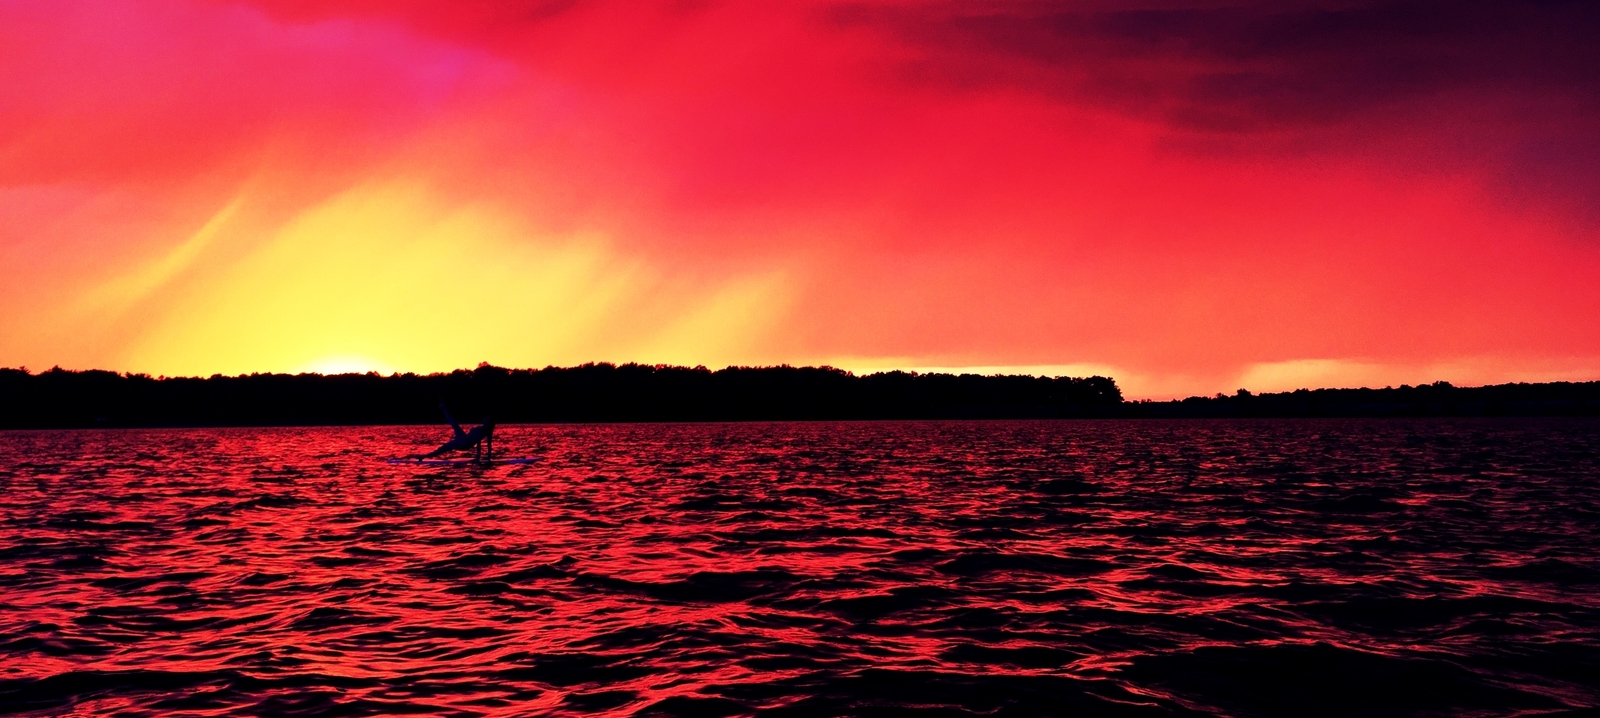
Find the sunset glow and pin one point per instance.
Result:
(1189, 196)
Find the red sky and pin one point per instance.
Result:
(1190, 196)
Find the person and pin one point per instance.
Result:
(480, 439)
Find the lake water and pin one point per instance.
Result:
(1242, 568)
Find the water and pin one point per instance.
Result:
(1252, 568)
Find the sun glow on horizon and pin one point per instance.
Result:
(329, 366)
(392, 276)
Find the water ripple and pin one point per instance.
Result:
(1250, 568)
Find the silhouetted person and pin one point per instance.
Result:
(480, 439)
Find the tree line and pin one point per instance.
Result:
(1438, 399)
(587, 393)
(634, 392)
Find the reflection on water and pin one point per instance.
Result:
(998, 568)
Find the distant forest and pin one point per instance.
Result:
(631, 393)
(588, 393)
(1560, 398)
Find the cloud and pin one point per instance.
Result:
(1251, 66)
(1176, 190)
(1502, 91)
(152, 90)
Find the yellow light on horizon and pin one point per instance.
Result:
(332, 365)
(391, 276)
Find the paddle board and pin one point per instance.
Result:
(463, 462)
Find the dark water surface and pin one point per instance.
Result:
(1251, 568)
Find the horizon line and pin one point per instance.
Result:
(1243, 392)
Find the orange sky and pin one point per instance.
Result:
(1190, 196)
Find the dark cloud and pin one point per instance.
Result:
(1506, 90)
(1253, 67)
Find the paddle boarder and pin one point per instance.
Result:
(480, 439)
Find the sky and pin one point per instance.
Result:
(1191, 196)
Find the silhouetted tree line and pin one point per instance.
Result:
(588, 393)
(633, 392)
(1436, 399)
